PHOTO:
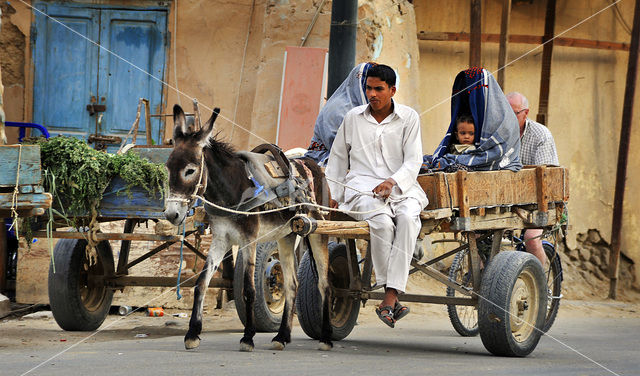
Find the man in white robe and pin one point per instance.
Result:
(373, 166)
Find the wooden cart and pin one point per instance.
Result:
(509, 295)
(22, 195)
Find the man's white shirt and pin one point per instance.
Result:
(365, 153)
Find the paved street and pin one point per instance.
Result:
(420, 344)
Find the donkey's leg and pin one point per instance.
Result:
(216, 253)
(321, 257)
(287, 260)
(249, 294)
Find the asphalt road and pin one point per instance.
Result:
(419, 345)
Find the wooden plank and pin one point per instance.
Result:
(623, 152)
(496, 188)
(156, 154)
(504, 40)
(463, 196)
(524, 39)
(541, 188)
(547, 53)
(164, 282)
(109, 236)
(116, 203)
(475, 40)
(25, 202)
(30, 173)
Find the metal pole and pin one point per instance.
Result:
(475, 38)
(342, 42)
(504, 41)
(547, 52)
(623, 152)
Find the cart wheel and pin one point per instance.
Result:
(553, 277)
(511, 309)
(463, 318)
(269, 303)
(79, 299)
(344, 310)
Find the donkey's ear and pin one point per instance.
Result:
(208, 128)
(179, 122)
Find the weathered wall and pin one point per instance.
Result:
(207, 44)
(585, 104)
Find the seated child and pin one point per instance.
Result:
(464, 135)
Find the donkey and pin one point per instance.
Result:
(202, 165)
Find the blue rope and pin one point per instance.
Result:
(180, 265)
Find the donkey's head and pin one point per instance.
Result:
(186, 165)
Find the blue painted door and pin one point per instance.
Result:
(71, 72)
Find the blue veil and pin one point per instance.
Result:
(350, 94)
(497, 134)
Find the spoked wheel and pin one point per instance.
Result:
(463, 318)
(344, 309)
(511, 310)
(270, 299)
(553, 277)
(78, 296)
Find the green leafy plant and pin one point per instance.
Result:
(83, 173)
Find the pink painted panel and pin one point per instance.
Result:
(303, 89)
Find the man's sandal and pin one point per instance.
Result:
(386, 315)
(400, 311)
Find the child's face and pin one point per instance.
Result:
(465, 133)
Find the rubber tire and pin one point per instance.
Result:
(494, 306)
(554, 282)
(70, 309)
(308, 305)
(459, 267)
(267, 320)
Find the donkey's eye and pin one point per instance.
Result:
(189, 171)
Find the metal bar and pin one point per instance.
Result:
(623, 152)
(440, 277)
(367, 270)
(475, 39)
(426, 299)
(547, 53)
(157, 249)
(194, 250)
(3, 257)
(355, 282)
(525, 39)
(164, 282)
(474, 260)
(504, 40)
(125, 246)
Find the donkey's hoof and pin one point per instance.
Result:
(325, 346)
(275, 345)
(246, 347)
(191, 343)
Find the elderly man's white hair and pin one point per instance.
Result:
(524, 103)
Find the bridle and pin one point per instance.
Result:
(189, 201)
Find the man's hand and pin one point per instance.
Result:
(333, 203)
(383, 190)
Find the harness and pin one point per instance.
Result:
(274, 180)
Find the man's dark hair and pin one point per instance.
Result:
(464, 118)
(384, 73)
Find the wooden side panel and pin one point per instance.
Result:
(117, 204)
(29, 165)
(492, 188)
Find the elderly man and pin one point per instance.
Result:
(372, 169)
(537, 148)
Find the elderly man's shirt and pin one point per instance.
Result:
(537, 145)
(365, 153)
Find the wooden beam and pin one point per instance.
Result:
(623, 152)
(504, 41)
(547, 54)
(475, 41)
(524, 39)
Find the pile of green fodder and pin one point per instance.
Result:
(77, 175)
